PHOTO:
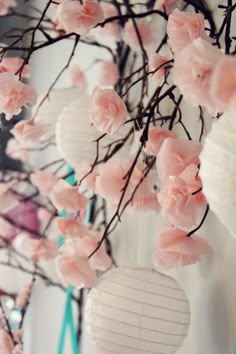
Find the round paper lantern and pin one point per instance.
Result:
(137, 311)
(53, 106)
(75, 135)
(218, 169)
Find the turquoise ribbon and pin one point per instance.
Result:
(68, 320)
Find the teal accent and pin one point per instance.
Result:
(68, 320)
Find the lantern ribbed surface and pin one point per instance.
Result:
(137, 311)
(53, 106)
(218, 170)
(75, 134)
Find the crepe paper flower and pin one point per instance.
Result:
(40, 250)
(183, 28)
(107, 110)
(193, 70)
(178, 205)
(157, 64)
(5, 5)
(165, 5)
(73, 265)
(89, 182)
(175, 156)
(6, 343)
(23, 297)
(5, 227)
(7, 201)
(18, 349)
(78, 18)
(18, 335)
(82, 248)
(13, 64)
(77, 76)
(44, 181)
(71, 227)
(194, 184)
(109, 73)
(17, 152)
(66, 197)
(76, 272)
(223, 82)
(14, 95)
(44, 215)
(110, 183)
(110, 29)
(28, 131)
(156, 137)
(131, 37)
(173, 249)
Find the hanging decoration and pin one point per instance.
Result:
(137, 310)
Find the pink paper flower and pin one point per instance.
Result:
(14, 95)
(156, 137)
(175, 155)
(28, 131)
(78, 18)
(5, 227)
(16, 152)
(87, 183)
(23, 296)
(65, 197)
(76, 272)
(157, 64)
(44, 215)
(71, 227)
(100, 259)
(131, 37)
(18, 335)
(77, 77)
(7, 201)
(6, 343)
(177, 203)
(173, 249)
(107, 110)
(109, 73)
(183, 27)
(165, 5)
(40, 250)
(5, 5)
(13, 64)
(223, 82)
(192, 72)
(44, 181)
(17, 349)
(110, 183)
(111, 29)
(73, 265)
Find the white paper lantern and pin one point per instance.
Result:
(75, 135)
(137, 311)
(53, 106)
(218, 169)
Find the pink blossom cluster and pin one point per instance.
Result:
(74, 264)
(180, 198)
(199, 66)
(14, 94)
(72, 16)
